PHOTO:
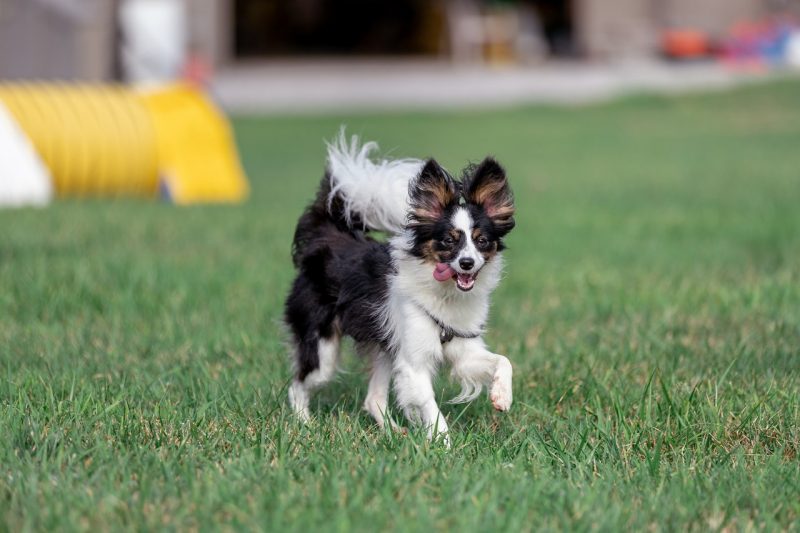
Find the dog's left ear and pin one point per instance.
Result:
(488, 187)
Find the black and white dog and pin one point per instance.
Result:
(412, 303)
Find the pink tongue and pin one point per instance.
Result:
(443, 272)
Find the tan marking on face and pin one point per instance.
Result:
(491, 252)
(428, 252)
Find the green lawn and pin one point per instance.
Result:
(651, 309)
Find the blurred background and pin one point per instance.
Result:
(650, 303)
(257, 54)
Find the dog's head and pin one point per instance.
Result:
(458, 227)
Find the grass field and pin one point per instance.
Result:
(651, 308)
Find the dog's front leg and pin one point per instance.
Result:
(500, 391)
(476, 367)
(414, 388)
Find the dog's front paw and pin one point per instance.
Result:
(500, 392)
(500, 395)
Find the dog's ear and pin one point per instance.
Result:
(431, 193)
(486, 185)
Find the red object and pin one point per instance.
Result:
(197, 71)
(685, 44)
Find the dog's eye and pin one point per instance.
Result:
(448, 241)
(482, 241)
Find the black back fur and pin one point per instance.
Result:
(342, 279)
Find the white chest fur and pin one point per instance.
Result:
(414, 285)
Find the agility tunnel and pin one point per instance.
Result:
(113, 141)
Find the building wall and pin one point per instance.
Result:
(211, 29)
(56, 40)
(607, 29)
(630, 28)
(74, 39)
(712, 16)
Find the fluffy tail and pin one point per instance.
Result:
(373, 191)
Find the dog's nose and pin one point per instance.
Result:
(466, 263)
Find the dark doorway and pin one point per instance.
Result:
(556, 18)
(274, 28)
(268, 28)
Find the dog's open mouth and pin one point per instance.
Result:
(464, 282)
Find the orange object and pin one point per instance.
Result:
(685, 43)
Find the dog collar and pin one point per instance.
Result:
(446, 333)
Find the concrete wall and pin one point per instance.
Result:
(56, 39)
(74, 39)
(630, 28)
(607, 29)
(712, 16)
(211, 29)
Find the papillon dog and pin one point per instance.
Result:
(412, 303)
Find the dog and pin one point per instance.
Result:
(412, 303)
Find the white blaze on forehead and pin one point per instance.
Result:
(462, 220)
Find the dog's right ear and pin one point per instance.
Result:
(431, 193)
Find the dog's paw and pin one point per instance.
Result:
(500, 392)
(500, 396)
(397, 428)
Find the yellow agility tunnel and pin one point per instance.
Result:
(102, 140)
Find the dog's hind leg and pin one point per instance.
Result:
(316, 362)
(317, 335)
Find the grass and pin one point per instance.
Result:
(651, 309)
